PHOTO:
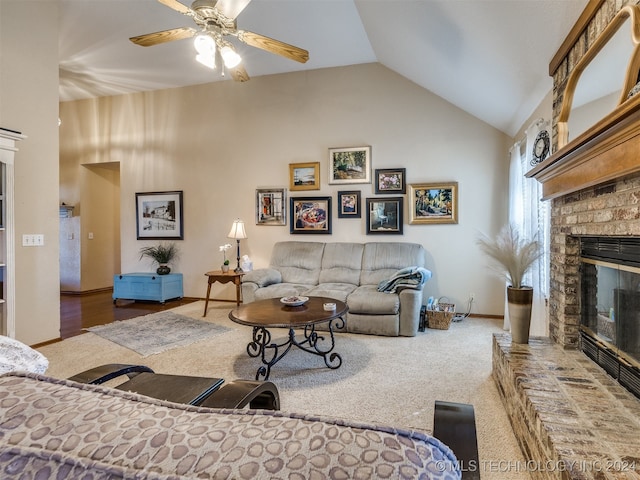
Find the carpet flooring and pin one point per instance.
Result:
(388, 380)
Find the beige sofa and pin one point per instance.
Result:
(352, 273)
(51, 429)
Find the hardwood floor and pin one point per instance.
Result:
(81, 311)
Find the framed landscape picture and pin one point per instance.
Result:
(384, 215)
(433, 203)
(310, 215)
(349, 204)
(271, 206)
(349, 165)
(159, 216)
(304, 176)
(390, 180)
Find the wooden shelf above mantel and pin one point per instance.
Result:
(607, 151)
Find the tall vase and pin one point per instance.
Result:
(519, 302)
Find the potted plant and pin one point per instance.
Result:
(225, 264)
(515, 256)
(162, 254)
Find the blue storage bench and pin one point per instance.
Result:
(147, 286)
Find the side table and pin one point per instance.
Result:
(223, 277)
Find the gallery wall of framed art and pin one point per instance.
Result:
(428, 203)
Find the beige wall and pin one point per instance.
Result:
(544, 110)
(29, 103)
(218, 142)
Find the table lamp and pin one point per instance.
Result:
(237, 232)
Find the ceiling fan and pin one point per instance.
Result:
(216, 19)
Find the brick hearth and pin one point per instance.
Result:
(571, 419)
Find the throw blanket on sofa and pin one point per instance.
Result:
(409, 277)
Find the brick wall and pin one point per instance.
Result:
(604, 210)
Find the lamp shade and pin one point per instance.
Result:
(230, 57)
(237, 230)
(204, 44)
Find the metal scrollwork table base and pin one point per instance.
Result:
(267, 314)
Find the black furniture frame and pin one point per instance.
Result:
(198, 391)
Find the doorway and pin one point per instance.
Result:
(90, 239)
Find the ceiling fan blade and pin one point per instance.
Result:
(176, 6)
(239, 74)
(164, 36)
(231, 8)
(273, 46)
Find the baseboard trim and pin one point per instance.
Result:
(482, 315)
(86, 292)
(48, 342)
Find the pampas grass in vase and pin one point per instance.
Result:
(512, 252)
(515, 255)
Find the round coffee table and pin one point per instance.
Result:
(272, 313)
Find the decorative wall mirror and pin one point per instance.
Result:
(603, 78)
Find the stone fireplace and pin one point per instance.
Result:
(567, 412)
(608, 210)
(564, 407)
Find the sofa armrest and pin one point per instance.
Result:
(263, 277)
(410, 303)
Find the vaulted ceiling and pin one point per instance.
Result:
(487, 57)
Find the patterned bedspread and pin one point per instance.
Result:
(60, 429)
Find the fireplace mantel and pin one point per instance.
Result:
(609, 150)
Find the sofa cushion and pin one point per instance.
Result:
(279, 290)
(263, 277)
(380, 261)
(341, 263)
(367, 299)
(298, 262)
(339, 291)
(60, 429)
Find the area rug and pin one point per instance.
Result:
(158, 332)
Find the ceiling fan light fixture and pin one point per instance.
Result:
(207, 60)
(205, 44)
(230, 56)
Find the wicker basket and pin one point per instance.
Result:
(441, 318)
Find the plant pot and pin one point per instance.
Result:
(163, 269)
(519, 302)
(225, 268)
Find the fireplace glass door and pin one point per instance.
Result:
(610, 305)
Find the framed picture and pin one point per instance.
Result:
(391, 180)
(304, 176)
(271, 206)
(349, 204)
(433, 203)
(159, 216)
(310, 214)
(384, 215)
(349, 165)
